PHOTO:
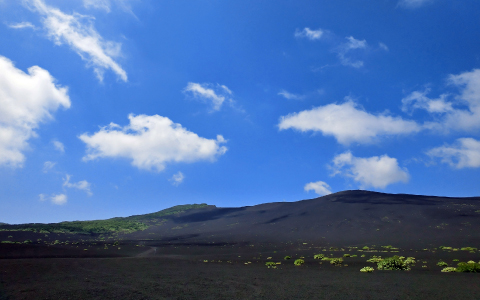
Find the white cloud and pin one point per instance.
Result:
(309, 34)
(290, 96)
(177, 178)
(383, 46)
(344, 50)
(151, 142)
(375, 171)
(106, 5)
(42, 197)
(413, 3)
(215, 94)
(22, 25)
(48, 165)
(81, 185)
(419, 100)
(59, 199)
(461, 113)
(347, 123)
(78, 32)
(321, 188)
(465, 153)
(58, 146)
(26, 100)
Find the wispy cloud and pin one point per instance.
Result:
(459, 111)
(376, 171)
(347, 123)
(106, 5)
(309, 33)
(177, 178)
(151, 142)
(320, 188)
(215, 95)
(413, 3)
(78, 32)
(465, 153)
(22, 25)
(48, 165)
(26, 101)
(81, 185)
(290, 96)
(345, 49)
(58, 146)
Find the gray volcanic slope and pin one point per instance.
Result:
(349, 218)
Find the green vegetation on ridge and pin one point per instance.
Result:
(114, 225)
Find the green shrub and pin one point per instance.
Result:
(375, 259)
(346, 255)
(366, 270)
(336, 261)
(449, 269)
(299, 262)
(271, 264)
(366, 248)
(287, 257)
(442, 264)
(318, 256)
(468, 249)
(27, 242)
(470, 267)
(394, 263)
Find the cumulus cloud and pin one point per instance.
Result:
(26, 101)
(461, 112)
(151, 142)
(347, 123)
(48, 165)
(320, 188)
(290, 96)
(309, 33)
(22, 25)
(58, 146)
(177, 178)
(465, 153)
(209, 93)
(78, 32)
(376, 171)
(81, 185)
(59, 199)
(413, 3)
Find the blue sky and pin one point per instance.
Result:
(120, 107)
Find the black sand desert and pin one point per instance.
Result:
(205, 252)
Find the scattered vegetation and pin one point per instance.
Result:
(271, 264)
(318, 256)
(287, 257)
(366, 270)
(449, 269)
(442, 264)
(396, 263)
(469, 267)
(336, 261)
(299, 262)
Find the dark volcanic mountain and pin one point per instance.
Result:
(343, 219)
(349, 218)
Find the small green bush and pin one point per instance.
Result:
(394, 263)
(318, 256)
(287, 257)
(366, 270)
(470, 267)
(375, 259)
(346, 255)
(299, 262)
(449, 269)
(336, 261)
(271, 264)
(442, 264)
